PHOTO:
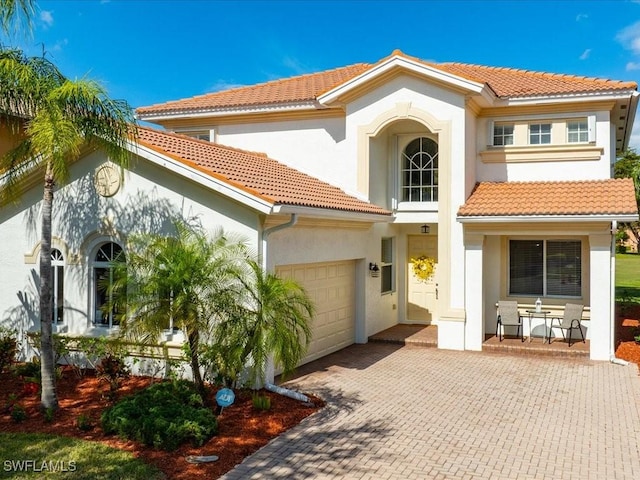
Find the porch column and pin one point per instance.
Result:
(473, 291)
(600, 284)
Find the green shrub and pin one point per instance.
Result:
(18, 413)
(83, 422)
(261, 402)
(49, 414)
(164, 416)
(28, 370)
(112, 369)
(8, 348)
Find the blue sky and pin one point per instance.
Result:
(151, 51)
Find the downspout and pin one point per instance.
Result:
(612, 276)
(270, 368)
(265, 235)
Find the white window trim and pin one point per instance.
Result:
(60, 262)
(391, 264)
(539, 119)
(93, 264)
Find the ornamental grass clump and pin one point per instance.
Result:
(164, 416)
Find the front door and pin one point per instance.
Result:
(422, 295)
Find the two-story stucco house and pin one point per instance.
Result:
(502, 176)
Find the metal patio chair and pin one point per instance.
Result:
(509, 316)
(570, 321)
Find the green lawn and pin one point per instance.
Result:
(628, 277)
(30, 456)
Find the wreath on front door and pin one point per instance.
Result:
(423, 267)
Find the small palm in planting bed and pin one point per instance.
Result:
(165, 415)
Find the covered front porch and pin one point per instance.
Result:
(427, 336)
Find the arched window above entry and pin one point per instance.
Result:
(419, 171)
(102, 280)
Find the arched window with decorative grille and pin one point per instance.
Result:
(102, 279)
(419, 171)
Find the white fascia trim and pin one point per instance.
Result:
(408, 64)
(567, 97)
(631, 116)
(332, 214)
(202, 178)
(223, 112)
(547, 218)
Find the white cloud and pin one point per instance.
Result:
(220, 85)
(632, 66)
(46, 17)
(629, 37)
(294, 64)
(57, 47)
(585, 54)
(581, 16)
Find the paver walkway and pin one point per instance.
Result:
(420, 413)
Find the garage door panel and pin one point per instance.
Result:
(331, 286)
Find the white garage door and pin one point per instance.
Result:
(331, 286)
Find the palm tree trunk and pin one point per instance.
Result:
(194, 343)
(48, 397)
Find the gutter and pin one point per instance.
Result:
(265, 235)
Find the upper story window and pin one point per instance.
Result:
(419, 171)
(539, 133)
(57, 277)
(578, 131)
(102, 278)
(503, 135)
(199, 134)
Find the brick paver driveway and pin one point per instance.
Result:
(421, 413)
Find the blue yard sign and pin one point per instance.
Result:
(225, 397)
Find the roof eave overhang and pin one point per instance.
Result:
(547, 218)
(333, 214)
(615, 95)
(202, 178)
(333, 96)
(231, 111)
(631, 116)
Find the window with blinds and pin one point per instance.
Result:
(550, 268)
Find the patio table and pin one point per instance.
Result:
(539, 313)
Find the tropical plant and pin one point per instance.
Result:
(14, 12)
(8, 348)
(186, 280)
(274, 320)
(628, 166)
(54, 120)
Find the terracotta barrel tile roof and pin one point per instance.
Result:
(513, 82)
(590, 197)
(255, 173)
(505, 82)
(303, 88)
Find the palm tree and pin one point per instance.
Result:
(188, 281)
(54, 121)
(274, 321)
(13, 11)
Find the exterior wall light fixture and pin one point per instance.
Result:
(374, 270)
(425, 228)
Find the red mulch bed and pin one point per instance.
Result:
(628, 319)
(242, 429)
